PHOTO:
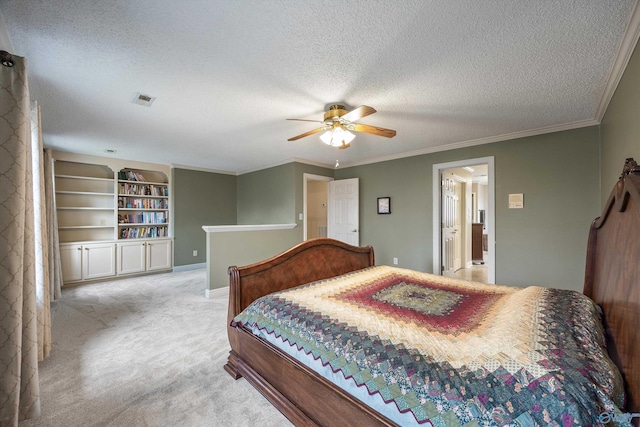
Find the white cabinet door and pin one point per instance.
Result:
(98, 260)
(71, 260)
(131, 257)
(159, 255)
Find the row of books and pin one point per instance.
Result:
(143, 189)
(143, 218)
(131, 176)
(133, 203)
(143, 232)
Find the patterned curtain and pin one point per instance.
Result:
(55, 265)
(19, 390)
(42, 237)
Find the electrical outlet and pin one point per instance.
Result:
(395, 261)
(300, 217)
(195, 252)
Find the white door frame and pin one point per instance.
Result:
(309, 177)
(490, 218)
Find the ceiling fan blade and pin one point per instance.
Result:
(305, 120)
(311, 132)
(358, 113)
(374, 130)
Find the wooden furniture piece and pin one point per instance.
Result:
(612, 276)
(476, 243)
(611, 280)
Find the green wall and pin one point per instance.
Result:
(267, 196)
(200, 198)
(620, 128)
(275, 195)
(542, 244)
(243, 248)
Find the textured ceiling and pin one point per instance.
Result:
(227, 74)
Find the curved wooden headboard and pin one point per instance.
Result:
(612, 276)
(321, 258)
(312, 260)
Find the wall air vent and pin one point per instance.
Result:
(142, 99)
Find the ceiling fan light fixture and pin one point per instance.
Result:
(348, 136)
(337, 126)
(326, 137)
(337, 137)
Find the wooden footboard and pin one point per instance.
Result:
(300, 394)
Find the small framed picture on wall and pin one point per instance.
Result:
(384, 205)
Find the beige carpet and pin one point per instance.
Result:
(145, 351)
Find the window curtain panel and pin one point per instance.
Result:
(42, 237)
(53, 242)
(19, 389)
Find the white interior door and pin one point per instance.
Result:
(343, 211)
(451, 226)
(438, 221)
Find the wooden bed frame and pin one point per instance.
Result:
(612, 280)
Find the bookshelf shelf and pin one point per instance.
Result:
(83, 227)
(83, 208)
(86, 178)
(140, 224)
(142, 210)
(146, 196)
(85, 193)
(128, 181)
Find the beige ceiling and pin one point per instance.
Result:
(226, 74)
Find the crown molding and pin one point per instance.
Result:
(625, 50)
(480, 141)
(199, 169)
(286, 162)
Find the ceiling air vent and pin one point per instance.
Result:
(142, 99)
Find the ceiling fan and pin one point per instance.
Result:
(338, 124)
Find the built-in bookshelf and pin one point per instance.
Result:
(112, 221)
(143, 205)
(85, 200)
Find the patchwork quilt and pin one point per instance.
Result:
(452, 352)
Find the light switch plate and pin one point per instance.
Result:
(516, 201)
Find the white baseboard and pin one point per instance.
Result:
(211, 293)
(189, 267)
